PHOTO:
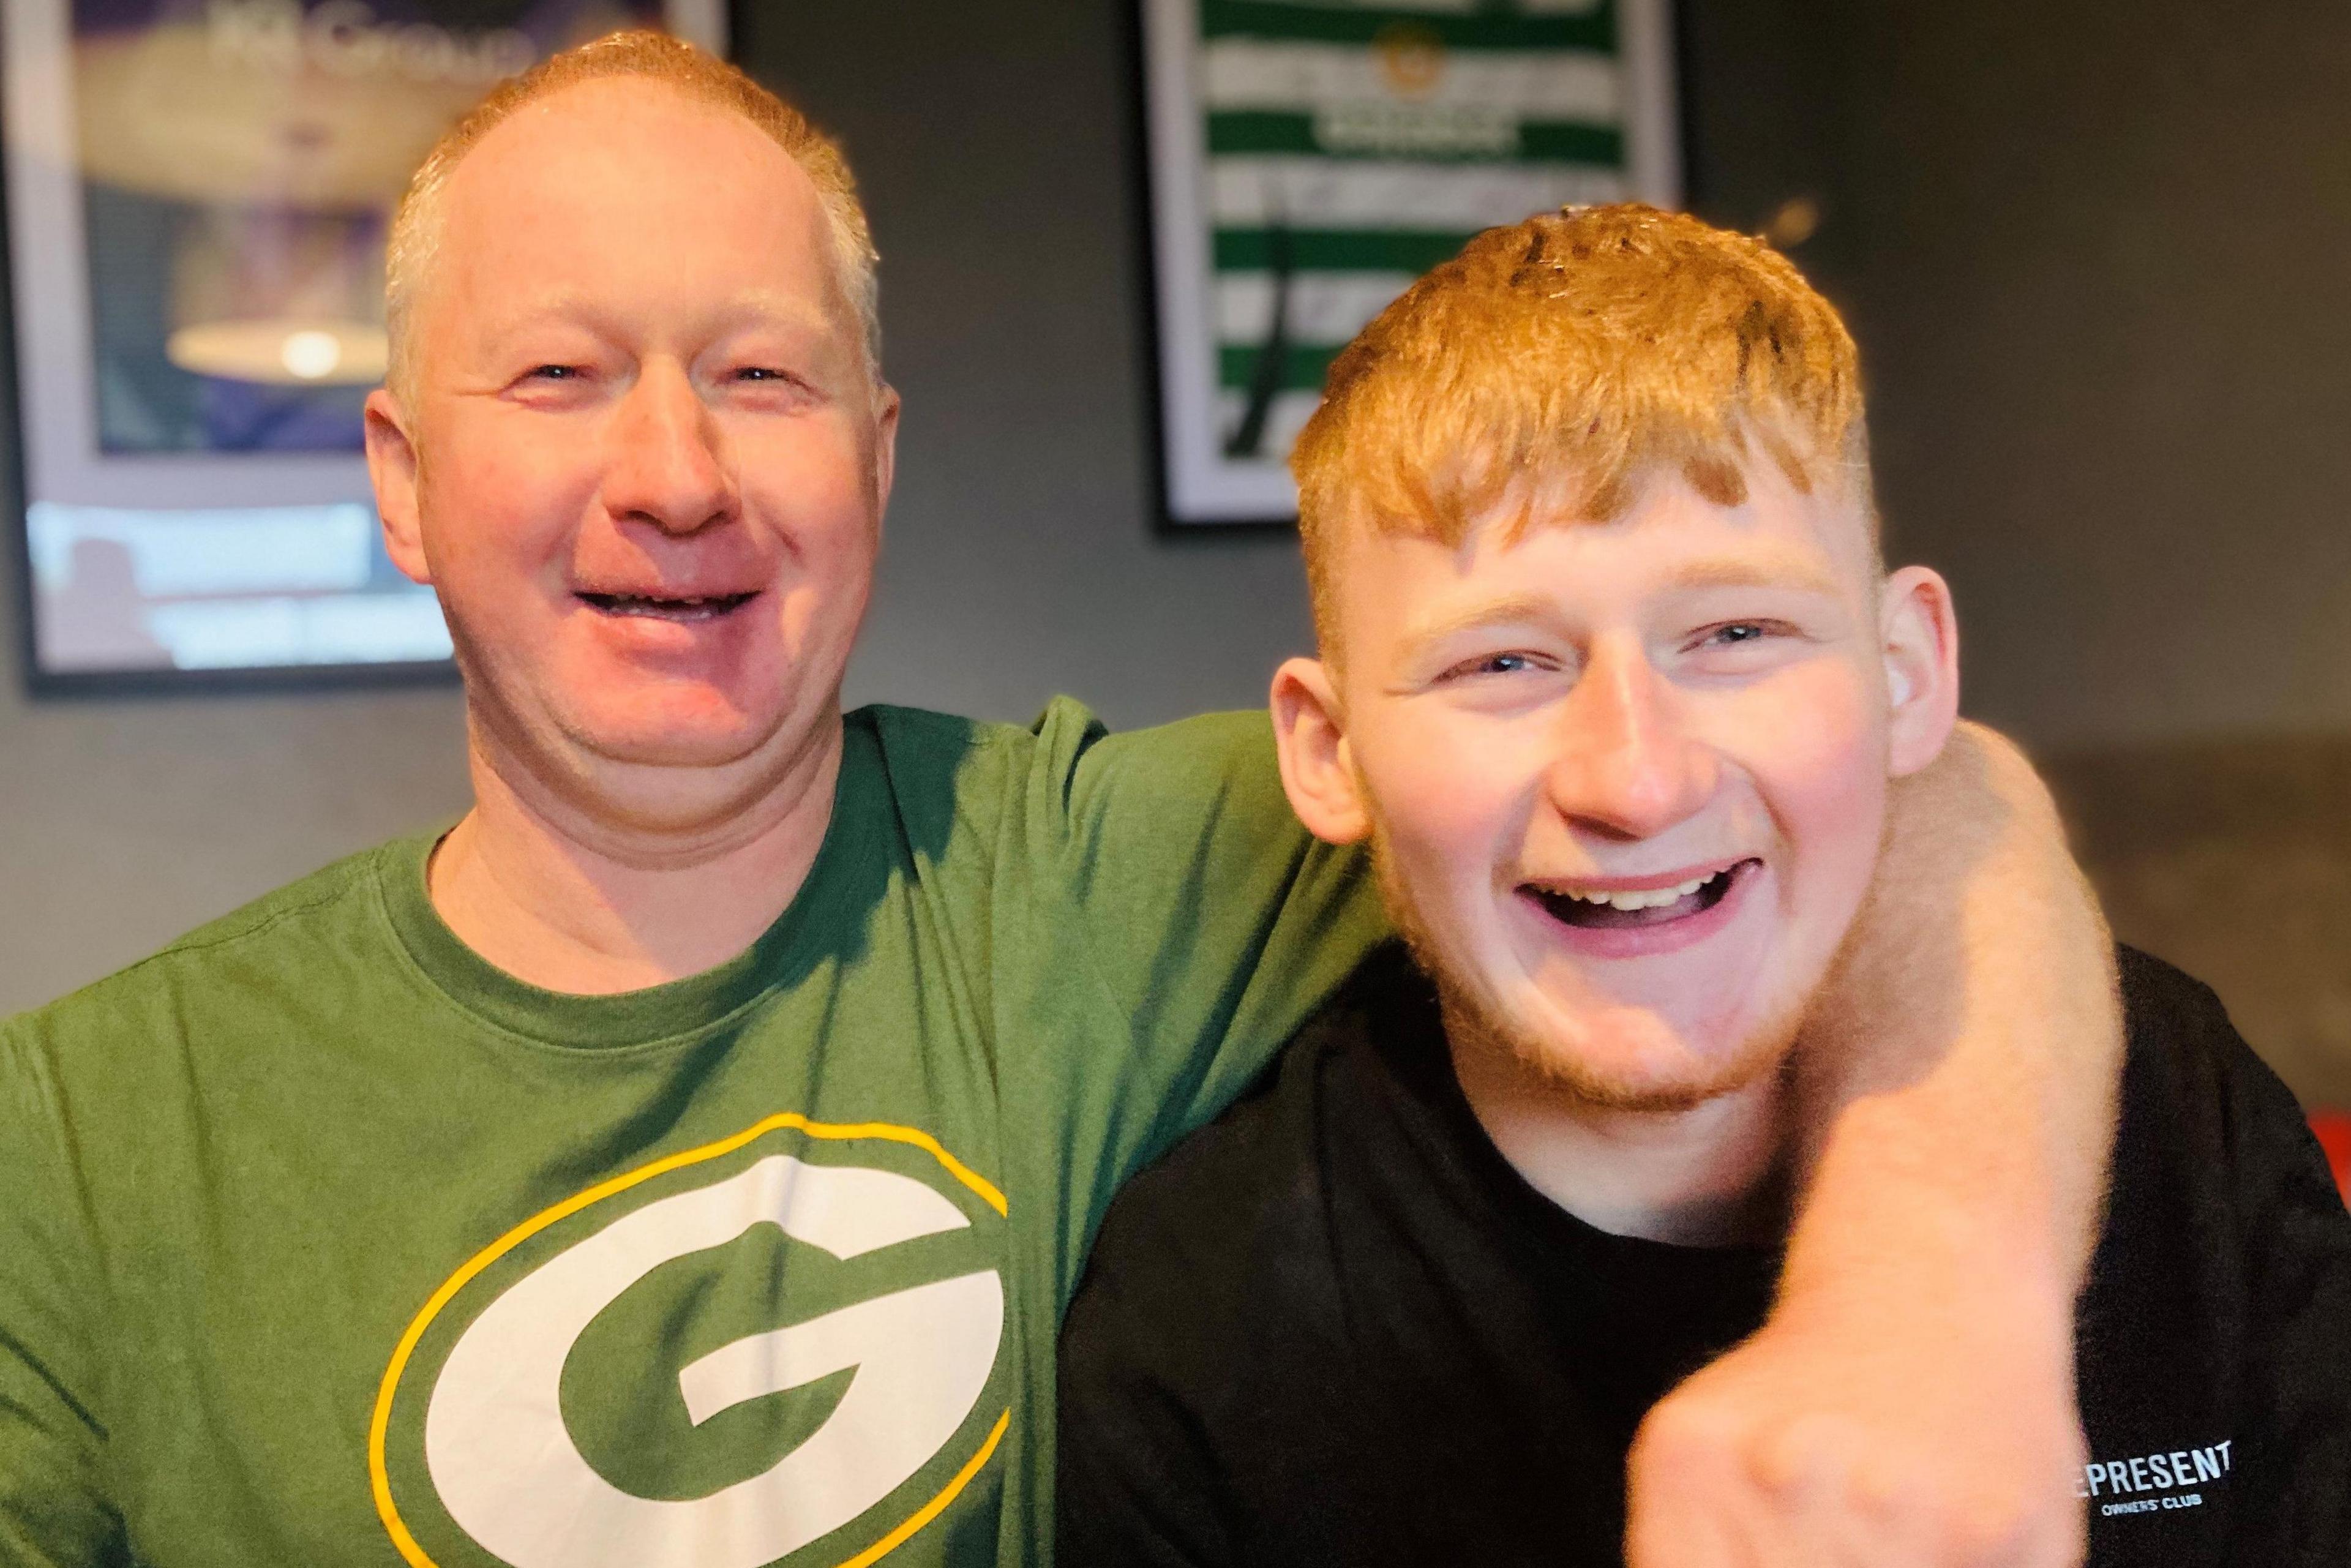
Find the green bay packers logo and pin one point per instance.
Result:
(777, 1342)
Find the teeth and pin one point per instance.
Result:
(1651, 898)
(701, 607)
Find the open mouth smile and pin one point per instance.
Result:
(680, 608)
(1618, 909)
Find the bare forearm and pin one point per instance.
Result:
(1964, 1074)
(1912, 1395)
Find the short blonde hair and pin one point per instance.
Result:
(1559, 364)
(652, 56)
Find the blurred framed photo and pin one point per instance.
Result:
(197, 194)
(1310, 158)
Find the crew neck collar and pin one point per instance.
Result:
(1422, 1066)
(655, 1014)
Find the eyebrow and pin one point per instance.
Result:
(1789, 570)
(1774, 569)
(1517, 609)
(1777, 569)
(773, 306)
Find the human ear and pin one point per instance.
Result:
(392, 469)
(885, 448)
(1310, 733)
(1919, 638)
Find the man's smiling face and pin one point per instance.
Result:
(649, 456)
(1627, 778)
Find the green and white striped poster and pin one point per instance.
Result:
(1310, 158)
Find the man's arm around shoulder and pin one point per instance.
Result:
(1911, 1400)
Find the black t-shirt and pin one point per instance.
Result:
(1336, 1327)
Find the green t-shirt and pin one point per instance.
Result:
(322, 1242)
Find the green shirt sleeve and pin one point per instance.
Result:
(53, 1511)
(1209, 923)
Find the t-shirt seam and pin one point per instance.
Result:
(422, 980)
(996, 737)
(195, 943)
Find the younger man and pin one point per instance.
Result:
(1614, 684)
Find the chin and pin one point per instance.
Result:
(1636, 1059)
(673, 722)
(674, 740)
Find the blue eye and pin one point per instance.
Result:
(1744, 644)
(1494, 664)
(1738, 635)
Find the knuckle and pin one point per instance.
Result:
(1686, 1429)
(1815, 1451)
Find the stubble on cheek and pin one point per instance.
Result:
(1475, 1019)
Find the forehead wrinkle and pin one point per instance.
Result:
(751, 308)
(467, 206)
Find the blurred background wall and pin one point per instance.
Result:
(2099, 260)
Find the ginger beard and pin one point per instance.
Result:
(1625, 783)
(1475, 1020)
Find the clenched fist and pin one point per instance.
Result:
(1917, 1439)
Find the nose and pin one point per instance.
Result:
(665, 465)
(1627, 766)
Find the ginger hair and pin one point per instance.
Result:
(1558, 366)
(646, 55)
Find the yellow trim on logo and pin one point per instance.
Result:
(930, 1510)
(379, 1423)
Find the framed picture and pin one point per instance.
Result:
(197, 194)
(1310, 158)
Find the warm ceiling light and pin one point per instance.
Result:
(278, 353)
(310, 354)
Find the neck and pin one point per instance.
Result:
(557, 896)
(1711, 1175)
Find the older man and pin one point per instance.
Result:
(685, 1159)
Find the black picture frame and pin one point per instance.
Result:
(45, 677)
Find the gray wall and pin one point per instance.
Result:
(123, 824)
(2099, 256)
(992, 142)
